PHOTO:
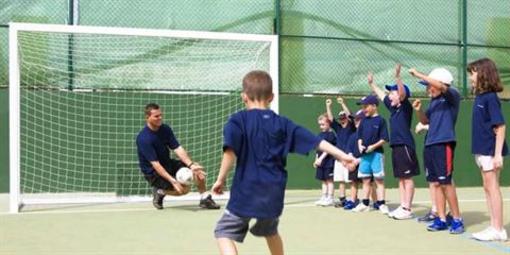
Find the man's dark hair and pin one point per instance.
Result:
(258, 85)
(149, 107)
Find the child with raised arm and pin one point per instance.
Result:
(343, 127)
(440, 142)
(352, 149)
(258, 141)
(324, 163)
(488, 141)
(403, 156)
(372, 134)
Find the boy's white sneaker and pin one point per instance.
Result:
(319, 202)
(384, 209)
(390, 214)
(491, 234)
(402, 214)
(326, 202)
(361, 208)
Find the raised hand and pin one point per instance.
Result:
(417, 105)
(370, 78)
(340, 100)
(328, 102)
(397, 71)
(413, 72)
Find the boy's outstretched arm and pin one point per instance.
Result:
(229, 157)
(432, 82)
(337, 153)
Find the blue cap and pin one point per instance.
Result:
(395, 87)
(370, 99)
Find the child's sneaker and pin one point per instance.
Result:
(457, 226)
(437, 225)
(384, 209)
(319, 202)
(328, 201)
(390, 214)
(403, 214)
(449, 219)
(429, 217)
(361, 208)
(349, 205)
(340, 202)
(490, 234)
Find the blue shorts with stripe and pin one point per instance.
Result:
(371, 165)
(439, 162)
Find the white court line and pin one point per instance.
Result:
(149, 207)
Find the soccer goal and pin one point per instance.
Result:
(77, 93)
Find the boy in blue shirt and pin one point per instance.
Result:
(258, 141)
(405, 162)
(343, 127)
(440, 142)
(372, 134)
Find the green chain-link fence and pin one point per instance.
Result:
(325, 46)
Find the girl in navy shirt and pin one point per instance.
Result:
(488, 141)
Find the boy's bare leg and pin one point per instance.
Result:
(380, 189)
(440, 200)
(409, 192)
(402, 191)
(275, 244)
(451, 197)
(226, 246)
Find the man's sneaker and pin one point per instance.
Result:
(384, 209)
(491, 234)
(429, 217)
(349, 205)
(361, 208)
(208, 203)
(402, 214)
(437, 225)
(157, 198)
(457, 226)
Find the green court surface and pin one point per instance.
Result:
(182, 228)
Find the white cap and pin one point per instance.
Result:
(440, 74)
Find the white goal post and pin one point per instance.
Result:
(76, 95)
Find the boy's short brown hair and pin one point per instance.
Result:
(258, 85)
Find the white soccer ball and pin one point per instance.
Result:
(184, 176)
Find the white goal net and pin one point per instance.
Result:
(77, 96)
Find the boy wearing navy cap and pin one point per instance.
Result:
(440, 142)
(372, 134)
(405, 162)
(258, 140)
(343, 127)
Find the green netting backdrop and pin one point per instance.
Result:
(326, 46)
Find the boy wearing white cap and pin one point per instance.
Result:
(440, 141)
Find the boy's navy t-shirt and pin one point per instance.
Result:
(352, 145)
(261, 141)
(442, 114)
(400, 122)
(371, 130)
(154, 146)
(486, 115)
(343, 133)
(329, 161)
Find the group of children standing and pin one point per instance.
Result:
(257, 141)
(364, 134)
